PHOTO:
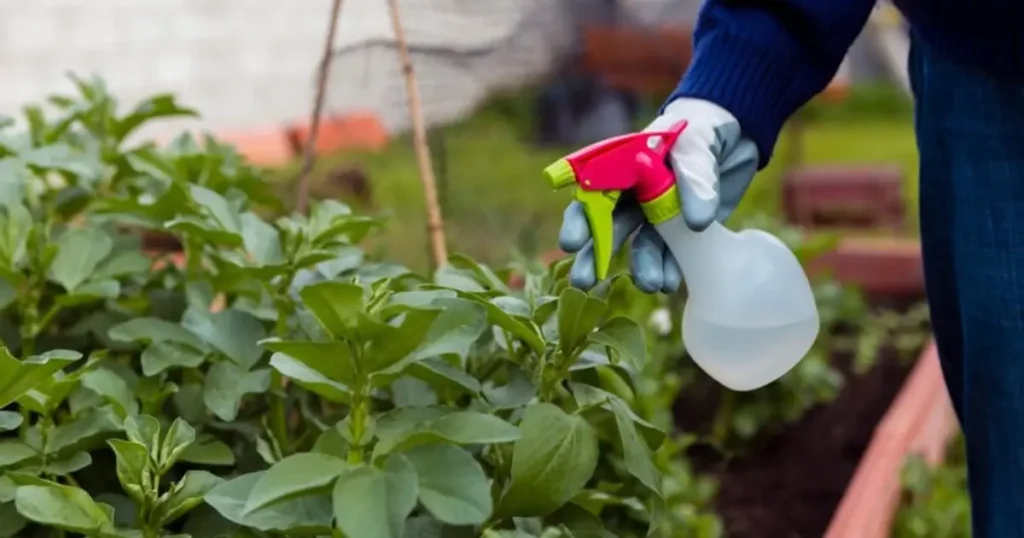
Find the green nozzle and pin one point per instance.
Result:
(560, 174)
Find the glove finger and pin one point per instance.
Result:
(695, 164)
(736, 169)
(625, 221)
(575, 231)
(646, 260)
(673, 278)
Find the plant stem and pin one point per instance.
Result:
(278, 417)
(278, 383)
(193, 258)
(29, 320)
(357, 425)
(44, 439)
(720, 428)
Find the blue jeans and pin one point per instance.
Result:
(970, 133)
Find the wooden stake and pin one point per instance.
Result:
(435, 222)
(309, 152)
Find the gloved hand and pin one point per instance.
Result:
(713, 165)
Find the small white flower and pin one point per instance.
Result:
(660, 322)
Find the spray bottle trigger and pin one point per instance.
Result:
(598, 207)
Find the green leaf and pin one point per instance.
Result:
(311, 515)
(158, 106)
(455, 330)
(309, 379)
(297, 475)
(507, 533)
(208, 452)
(62, 466)
(331, 359)
(7, 489)
(452, 485)
(15, 227)
(397, 422)
(373, 503)
(208, 231)
(90, 292)
(88, 428)
(14, 451)
(404, 300)
(626, 337)
(11, 522)
(131, 262)
(180, 435)
(49, 392)
(391, 347)
(236, 334)
(481, 273)
(337, 305)
(8, 294)
(459, 428)
(185, 495)
(523, 328)
(262, 241)
(153, 330)
(457, 279)
(226, 385)
(217, 209)
(636, 454)
(9, 420)
(162, 356)
(443, 376)
(65, 507)
(144, 430)
(515, 393)
(578, 314)
(581, 523)
(552, 461)
(17, 377)
(79, 253)
(113, 389)
(133, 469)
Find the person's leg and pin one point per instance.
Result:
(936, 209)
(971, 130)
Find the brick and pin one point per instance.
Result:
(361, 131)
(845, 197)
(263, 147)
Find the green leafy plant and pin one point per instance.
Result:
(272, 379)
(935, 501)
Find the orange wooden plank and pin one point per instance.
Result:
(919, 421)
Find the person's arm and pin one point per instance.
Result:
(763, 59)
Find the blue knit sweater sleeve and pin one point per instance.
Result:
(763, 59)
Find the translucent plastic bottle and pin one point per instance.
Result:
(750, 316)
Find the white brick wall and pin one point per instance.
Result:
(242, 63)
(251, 63)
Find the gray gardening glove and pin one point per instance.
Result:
(713, 164)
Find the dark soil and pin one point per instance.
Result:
(790, 486)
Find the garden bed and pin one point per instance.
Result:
(789, 482)
(793, 483)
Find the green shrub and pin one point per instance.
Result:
(281, 382)
(935, 501)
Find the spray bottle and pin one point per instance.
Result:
(750, 315)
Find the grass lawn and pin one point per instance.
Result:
(494, 199)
